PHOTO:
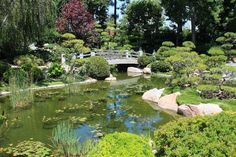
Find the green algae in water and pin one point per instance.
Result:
(97, 109)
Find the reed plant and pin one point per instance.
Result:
(70, 86)
(67, 143)
(20, 87)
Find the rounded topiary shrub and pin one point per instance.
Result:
(161, 66)
(144, 60)
(97, 67)
(211, 136)
(122, 145)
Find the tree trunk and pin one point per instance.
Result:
(179, 33)
(193, 25)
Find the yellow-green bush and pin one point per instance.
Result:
(122, 145)
(212, 136)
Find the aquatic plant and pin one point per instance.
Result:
(27, 148)
(66, 141)
(20, 88)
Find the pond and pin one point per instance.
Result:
(94, 110)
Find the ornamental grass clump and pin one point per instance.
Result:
(66, 141)
(20, 87)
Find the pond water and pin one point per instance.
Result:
(94, 110)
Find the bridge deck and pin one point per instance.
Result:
(122, 61)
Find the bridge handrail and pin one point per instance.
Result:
(123, 54)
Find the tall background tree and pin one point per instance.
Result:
(144, 19)
(177, 12)
(99, 9)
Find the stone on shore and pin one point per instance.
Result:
(168, 102)
(199, 110)
(153, 95)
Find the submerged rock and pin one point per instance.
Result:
(201, 110)
(168, 102)
(153, 95)
(134, 70)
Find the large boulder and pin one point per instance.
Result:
(147, 71)
(111, 78)
(153, 95)
(134, 70)
(234, 59)
(168, 102)
(199, 110)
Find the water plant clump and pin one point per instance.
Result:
(20, 87)
(27, 148)
(66, 141)
(70, 86)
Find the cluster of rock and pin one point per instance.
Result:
(139, 71)
(168, 102)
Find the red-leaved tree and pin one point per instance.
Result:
(76, 19)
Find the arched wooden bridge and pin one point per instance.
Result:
(115, 57)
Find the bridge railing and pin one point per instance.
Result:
(113, 54)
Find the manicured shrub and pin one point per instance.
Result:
(144, 60)
(216, 51)
(68, 36)
(3, 68)
(28, 59)
(200, 136)
(80, 62)
(186, 69)
(122, 145)
(168, 44)
(161, 66)
(56, 70)
(189, 44)
(97, 67)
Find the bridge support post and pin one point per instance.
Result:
(92, 54)
(81, 56)
(140, 52)
(126, 53)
